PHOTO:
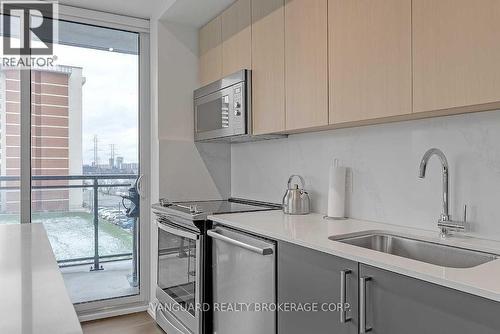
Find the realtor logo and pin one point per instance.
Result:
(29, 27)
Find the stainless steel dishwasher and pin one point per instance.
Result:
(243, 282)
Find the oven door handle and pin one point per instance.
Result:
(262, 251)
(178, 231)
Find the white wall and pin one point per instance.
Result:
(188, 171)
(182, 170)
(384, 161)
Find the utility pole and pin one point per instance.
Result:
(112, 156)
(96, 154)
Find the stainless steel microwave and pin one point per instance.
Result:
(223, 111)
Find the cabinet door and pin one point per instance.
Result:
(308, 276)
(268, 66)
(236, 37)
(370, 59)
(398, 304)
(210, 40)
(456, 52)
(306, 63)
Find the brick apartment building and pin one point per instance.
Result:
(56, 135)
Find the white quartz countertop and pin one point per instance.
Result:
(313, 231)
(33, 298)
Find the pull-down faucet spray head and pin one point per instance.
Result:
(422, 169)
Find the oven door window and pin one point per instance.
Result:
(177, 268)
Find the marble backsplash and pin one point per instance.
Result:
(383, 162)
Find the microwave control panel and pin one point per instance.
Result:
(238, 116)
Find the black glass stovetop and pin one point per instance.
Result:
(222, 206)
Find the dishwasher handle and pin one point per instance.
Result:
(215, 233)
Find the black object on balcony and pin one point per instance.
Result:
(133, 212)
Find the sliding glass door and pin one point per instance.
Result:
(84, 159)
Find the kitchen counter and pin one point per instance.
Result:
(313, 231)
(33, 296)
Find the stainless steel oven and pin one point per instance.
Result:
(222, 109)
(184, 257)
(180, 268)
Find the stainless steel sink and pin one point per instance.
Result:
(425, 251)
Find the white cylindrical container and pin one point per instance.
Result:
(336, 191)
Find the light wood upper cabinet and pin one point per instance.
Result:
(306, 63)
(370, 59)
(456, 53)
(268, 66)
(338, 63)
(210, 47)
(237, 37)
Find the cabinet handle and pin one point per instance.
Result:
(362, 305)
(343, 295)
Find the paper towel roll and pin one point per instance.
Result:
(336, 191)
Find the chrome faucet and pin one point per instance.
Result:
(445, 223)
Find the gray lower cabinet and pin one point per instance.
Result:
(397, 304)
(306, 278)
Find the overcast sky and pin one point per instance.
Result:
(110, 100)
(110, 95)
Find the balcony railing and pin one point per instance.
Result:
(91, 182)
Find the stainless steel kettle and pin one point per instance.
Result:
(296, 200)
